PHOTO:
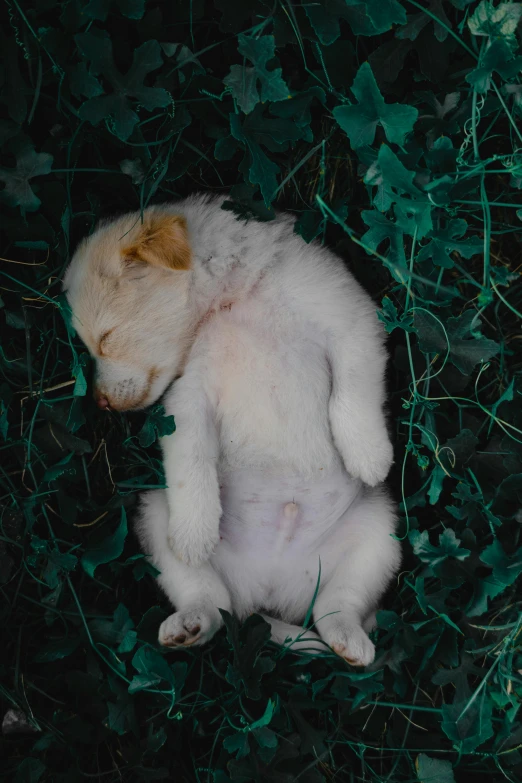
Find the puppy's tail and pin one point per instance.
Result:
(295, 638)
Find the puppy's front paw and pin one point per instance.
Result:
(191, 550)
(371, 460)
(190, 627)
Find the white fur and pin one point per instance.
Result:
(281, 438)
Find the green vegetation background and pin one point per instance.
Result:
(392, 130)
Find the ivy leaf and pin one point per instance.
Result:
(444, 242)
(459, 675)
(381, 229)
(449, 546)
(360, 121)
(97, 48)
(498, 57)
(468, 724)
(249, 85)
(81, 82)
(496, 22)
(118, 632)
(57, 649)
(366, 17)
(238, 744)
(506, 568)
(298, 110)
(373, 17)
(467, 347)
(29, 771)
(417, 22)
(152, 668)
(29, 164)
(157, 425)
(261, 170)
(324, 21)
(436, 481)
(433, 770)
(99, 9)
(391, 319)
(412, 207)
(108, 550)
(122, 715)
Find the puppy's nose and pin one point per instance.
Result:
(103, 403)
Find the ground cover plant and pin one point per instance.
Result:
(391, 128)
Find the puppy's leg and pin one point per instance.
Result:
(344, 608)
(355, 351)
(197, 593)
(190, 456)
(297, 639)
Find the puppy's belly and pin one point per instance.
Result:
(274, 531)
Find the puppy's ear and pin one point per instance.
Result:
(162, 242)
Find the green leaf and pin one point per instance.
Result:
(380, 230)
(373, 17)
(499, 21)
(4, 424)
(108, 550)
(29, 771)
(142, 681)
(151, 666)
(436, 481)
(466, 344)
(324, 22)
(468, 725)
(156, 425)
(498, 57)
(57, 649)
(99, 9)
(122, 715)
(360, 121)
(238, 744)
(156, 740)
(119, 632)
(29, 164)
(443, 243)
(249, 85)
(506, 569)
(81, 82)
(391, 319)
(449, 546)
(116, 106)
(433, 770)
(412, 207)
(265, 738)
(261, 171)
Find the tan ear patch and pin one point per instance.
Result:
(162, 241)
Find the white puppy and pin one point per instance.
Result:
(281, 439)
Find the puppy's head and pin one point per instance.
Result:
(128, 288)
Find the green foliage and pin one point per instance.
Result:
(360, 122)
(391, 129)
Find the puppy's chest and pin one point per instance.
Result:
(272, 384)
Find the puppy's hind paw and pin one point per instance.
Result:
(352, 644)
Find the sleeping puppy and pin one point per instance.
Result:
(272, 360)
